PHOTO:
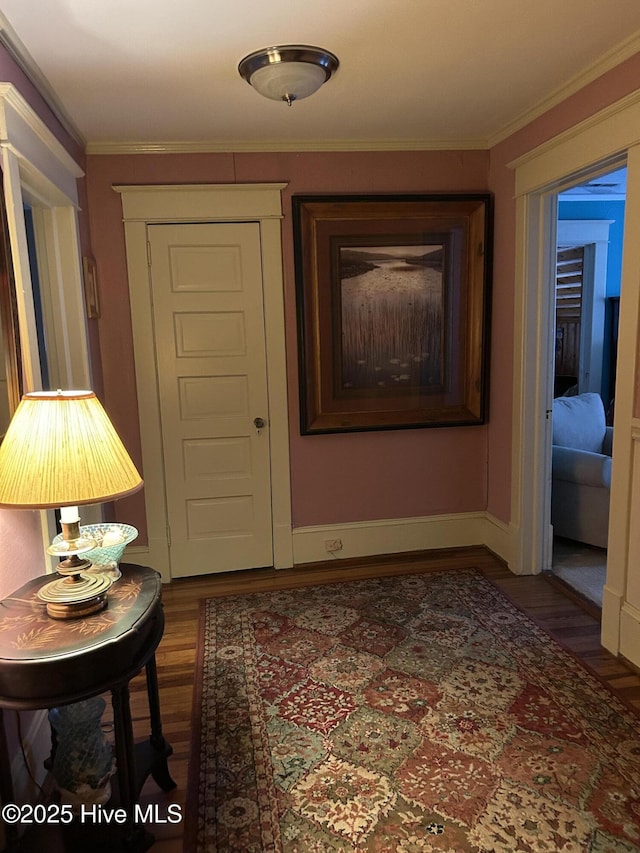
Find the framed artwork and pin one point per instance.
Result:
(393, 310)
(91, 297)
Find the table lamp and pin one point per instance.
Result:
(61, 450)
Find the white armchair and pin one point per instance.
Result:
(581, 469)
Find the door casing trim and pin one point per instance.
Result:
(262, 203)
(596, 146)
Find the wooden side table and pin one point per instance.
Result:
(47, 663)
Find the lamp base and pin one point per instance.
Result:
(76, 611)
(75, 596)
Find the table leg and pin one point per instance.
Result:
(160, 770)
(8, 832)
(136, 837)
(123, 730)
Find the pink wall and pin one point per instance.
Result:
(362, 476)
(22, 554)
(335, 478)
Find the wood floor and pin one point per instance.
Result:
(577, 629)
(551, 605)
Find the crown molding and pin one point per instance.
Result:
(595, 121)
(29, 67)
(611, 59)
(300, 146)
(21, 56)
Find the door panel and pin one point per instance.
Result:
(210, 346)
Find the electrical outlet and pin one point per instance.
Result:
(332, 545)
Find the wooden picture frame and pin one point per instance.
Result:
(91, 296)
(393, 295)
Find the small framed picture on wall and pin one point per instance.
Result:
(91, 297)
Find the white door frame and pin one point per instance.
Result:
(594, 147)
(142, 206)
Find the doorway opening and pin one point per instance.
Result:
(590, 226)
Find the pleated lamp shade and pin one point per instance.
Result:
(61, 449)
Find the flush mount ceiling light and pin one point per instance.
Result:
(288, 72)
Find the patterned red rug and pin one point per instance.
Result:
(404, 714)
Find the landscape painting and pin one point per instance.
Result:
(392, 296)
(392, 318)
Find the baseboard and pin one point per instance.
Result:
(394, 536)
(630, 633)
(611, 606)
(141, 555)
(620, 633)
(384, 536)
(499, 537)
(137, 554)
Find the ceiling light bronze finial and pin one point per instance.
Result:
(288, 72)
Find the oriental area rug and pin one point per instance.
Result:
(405, 714)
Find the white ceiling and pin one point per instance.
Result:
(413, 73)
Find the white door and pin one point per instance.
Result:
(206, 282)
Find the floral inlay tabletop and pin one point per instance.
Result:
(27, 632)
